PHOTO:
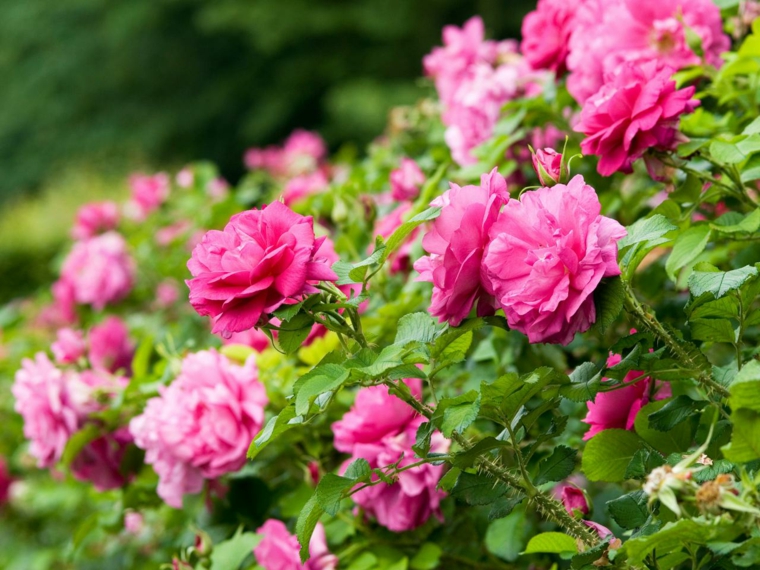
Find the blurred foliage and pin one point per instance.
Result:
(111, 84)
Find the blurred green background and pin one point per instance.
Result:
(92, 89)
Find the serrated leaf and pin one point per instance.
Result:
(503, 506)
(586, 381)
(322, 378)
(588, 557)
(713, 330)
(551, 543)
(726, 153)
(465, 459)
(389, 357)
(747, 224)
(608, 454)
(477, 489)
(745, 388)
(292, 333)
(398, 237)
(745, 437)
(687, 247)
(230, 554)
(642, 463)
(330, 490)
(307, 522)
(419, 327)
(674, 412)
(675, 440)
(629, 511)
(719, 283)
(460, 412)
(646, 230)
(358, 469)
(558, 466)
(287, 419)
(609, 297)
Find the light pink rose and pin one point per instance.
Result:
(456, 242)
(548, 252)
(62, 311)
(200, 425)
(547, 163)
(110, 347)
(270, 159)
(546, 34)
(302, 152)
(254, 338)
(303, 186)
(69, 346)
(100, 460)
(617, 409)
(51, 402)
(262, 259)
(134, 522)
(382, 429)
(148, 192)
(386, 226)
(279, 550)
(99, 270)
(607, 33)
(185, 178)
(635, 110)
(167, 293)
(168, 234)
(95, 218)
(406, 180)
(218, 189)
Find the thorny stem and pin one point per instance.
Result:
(550, 508)
(649, 321)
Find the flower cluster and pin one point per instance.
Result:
(148, 192)
(200, 426)
(107, 347)
(278, 549)
(382, 429)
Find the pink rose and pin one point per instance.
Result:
(200, 425)
(547, 163)
(546, 34)
(303, 186)
(95, 218)
(100, 460)
(548, 252)
(617, 409)
(279, 550)
(304, 150)
(147, 194)
(607, 33)
(51, 403)
(386, 226)
(456, 243)
(270, 159)
(134, 522)
(167, 293)
(110, 347)
(99, 270)
(635, 110)
(406, 180)
(168, 234)
(69, 346)
(254, 338)
(5, 482)
(573, 498)
(62, 311)
(185, 178)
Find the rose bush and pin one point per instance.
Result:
(520, 331)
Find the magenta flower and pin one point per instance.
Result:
(69, 346)
(573, 498)
(263, 259)
(99, 270)
(637, 109)
(546, 34)
(456, 243)
(547, 163)
(254, 338)
(5, 481)
(110, 347)
(406, 180)
(302, 152)
(279, 550)
(303, 186)
(548, 253)
(607, 33)
(95, 218)
(100, 460)
(617, 409)
(200, 426)
(148, 192)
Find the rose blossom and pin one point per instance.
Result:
(110, 347)
(69, 346)
(617, 409)
(134, 522)
(262, 259)
(99, 270)
(200, 425)
(95, 218)
(607, 33)
(456, 243)
(572, 498)
(5, 482)
(303, 186)
(546, 34)
(382, 429)
(279, 550)
(635, 110)
(167, 293)
(256, 339)
(406, 180)
(99, 462)
(547, 163)
(301, 153)
(147, 194)
(548, 252)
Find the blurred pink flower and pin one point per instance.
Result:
(200, 425)
(99, 270)
(406, 180)
(547, 254)
(636, 109)
(263, 259)
(134, 522)
(69, 346)
(100, 461)
(546, 34)
(456, 243)
(167, 293)
(400, 259)
(95, 218)
(279, 550)
(110, 347)
(185, 178)
(303, 186)
(254, 338)
(5, 482)
(168, 234)
(148, 192)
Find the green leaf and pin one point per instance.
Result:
(322, 378)
(459, 412)
(725, 308)
(557, 466)
(287, 312)
(419, 327)
(456, 350)
(629, 511)
(719, 283)
(230, 554)
(748, 224)
(503, 506)
(675, 440)
(608, 299)
(427, 557)
(745, 437)
(402, 232)
(292, 333)
(78, 441)
(287, 419)
(465, 459)
(389, 357)
(586, 381)
(754, 127)
(307, 522)
(551, 543)
(608, 454)
(588, 557)
(477, 489)
(674, 412)
(506, 536)
(745, 389)
(687, 247)
(688, 192)
(713, 330)
(646, 230)
(726, 153)
(642, 463)
(358, 470)
(141, 360)
(330, 491)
